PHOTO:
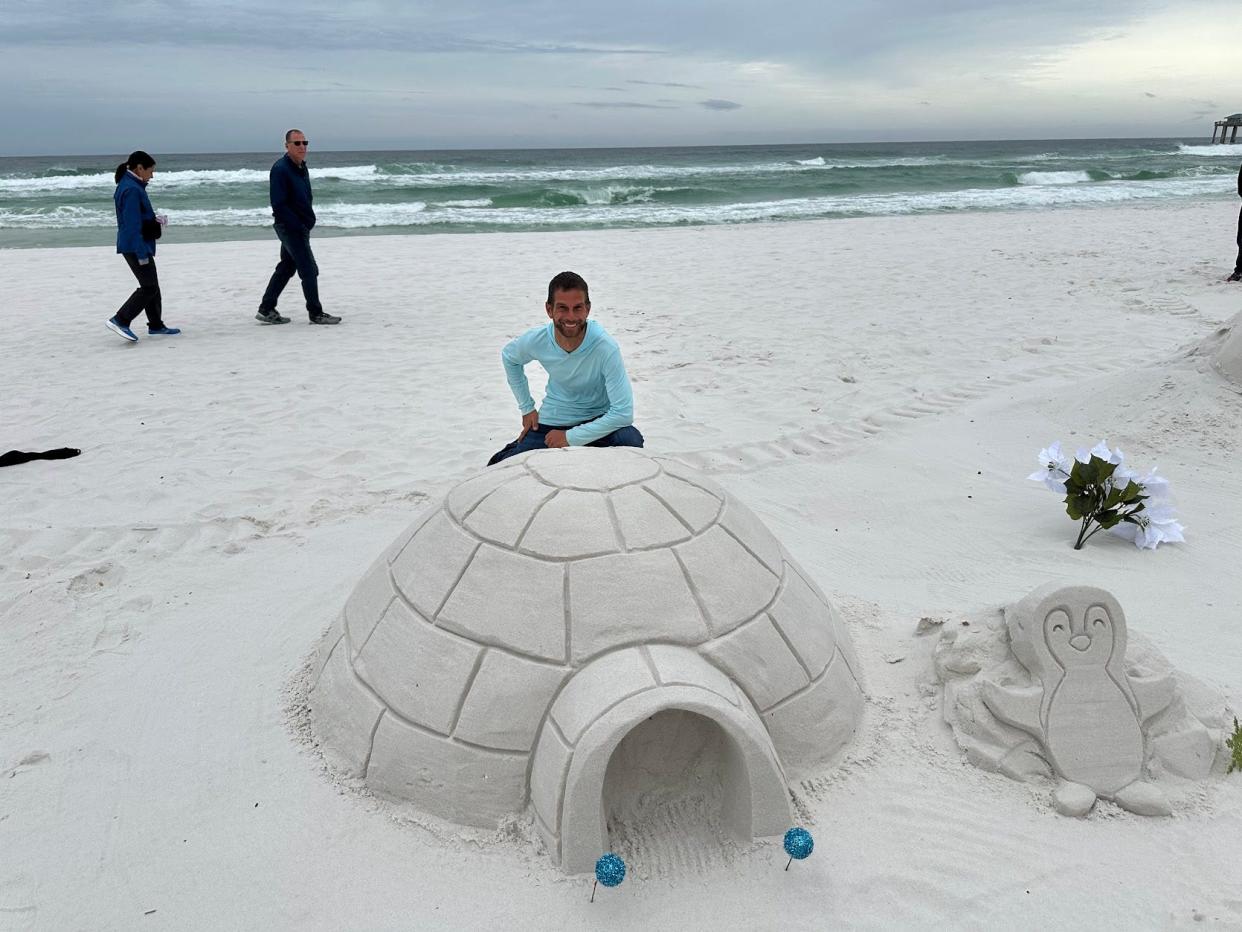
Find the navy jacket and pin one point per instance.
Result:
(291, 196)
(132, 207)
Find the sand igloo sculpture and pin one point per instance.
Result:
(1052, 692)
(500, 650)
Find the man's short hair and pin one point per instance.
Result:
(289, 133)
(568, 281)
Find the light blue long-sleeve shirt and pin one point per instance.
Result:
(589, 384)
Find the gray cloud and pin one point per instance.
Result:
(387, 25)
(488, 72)
(620, 105)
(787, 30)
(665, 84)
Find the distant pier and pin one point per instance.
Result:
(1227, 127)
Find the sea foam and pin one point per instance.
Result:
(1231, 151)
(1053, 177)
(45, 184)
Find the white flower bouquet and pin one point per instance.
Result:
(1102, 493)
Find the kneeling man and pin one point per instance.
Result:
(588, 401)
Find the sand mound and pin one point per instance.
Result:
(1224, 350)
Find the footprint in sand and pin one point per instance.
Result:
(33, 759)
(116, 631)
(104, 576)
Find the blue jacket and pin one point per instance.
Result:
(132, 207)
(291, 196)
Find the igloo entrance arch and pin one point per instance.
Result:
(603, 704)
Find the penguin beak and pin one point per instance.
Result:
(1080, 642)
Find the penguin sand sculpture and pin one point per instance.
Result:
(1084, 709)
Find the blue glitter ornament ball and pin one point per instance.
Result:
(610, 870)
(798, 843)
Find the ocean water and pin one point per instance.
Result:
(67, 200)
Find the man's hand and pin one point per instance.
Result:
(556, 438)
(529, 422)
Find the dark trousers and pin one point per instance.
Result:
(146, 296)
(1237, 266)
(295, 256)
(535, 439)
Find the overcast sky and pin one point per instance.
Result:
(87, 76)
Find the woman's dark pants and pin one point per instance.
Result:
(146, 297)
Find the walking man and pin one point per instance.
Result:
(588, 400)
(293, 218)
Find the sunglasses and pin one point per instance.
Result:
(300, 142)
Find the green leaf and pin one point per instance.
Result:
(1079, 506)
(1115, 497)
(1104, 468)
(1096, 471)
(1081, 475)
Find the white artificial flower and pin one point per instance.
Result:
(1056, 467)
(1116, 457)
(1153, 526)
(1153, 485)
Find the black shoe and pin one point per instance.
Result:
(270, 317)
(322, 318)
(1235, 277)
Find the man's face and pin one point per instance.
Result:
(296, 147)
(569, 311)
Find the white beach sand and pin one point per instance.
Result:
(875, 389)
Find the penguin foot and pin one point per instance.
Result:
(1073, 799)
(1143, 799)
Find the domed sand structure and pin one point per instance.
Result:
(498, 653)
(1227, 354)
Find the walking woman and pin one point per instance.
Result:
(137, 229)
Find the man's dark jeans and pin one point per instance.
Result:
(535, 439)
(1237, 266)
(295, 256)
(146, 297)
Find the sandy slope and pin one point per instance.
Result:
(875, 389)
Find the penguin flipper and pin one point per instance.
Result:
(1153, 694)
(1015, 706)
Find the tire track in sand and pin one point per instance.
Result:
(833, 439)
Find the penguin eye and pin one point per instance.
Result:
(1058, 627)
(1100, 622)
